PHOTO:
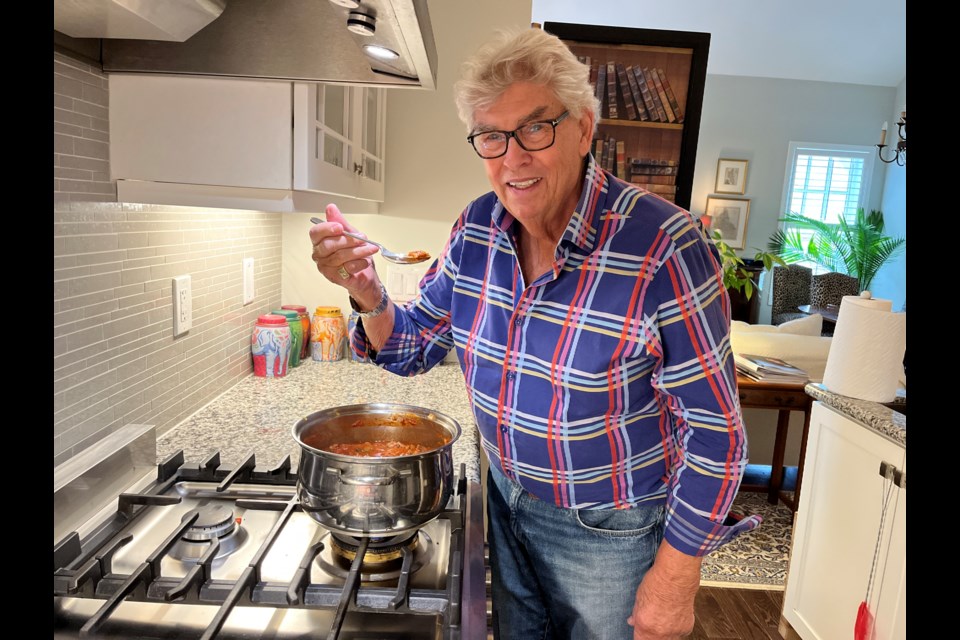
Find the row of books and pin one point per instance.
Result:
(632, 92)
(769, 369)
(652, 174)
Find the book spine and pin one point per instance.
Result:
(593, 79)
(612, 90)
(670, 96)
(663, 95)
(661, 189)
(635, 94)
(598, 151)
(628, 105)
(655, 95)
(621, 159)
(646, 95)
(602, 88)
(653, 168)
(654, 179)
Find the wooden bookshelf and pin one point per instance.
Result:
(657, 110)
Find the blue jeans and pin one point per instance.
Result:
(565, 573)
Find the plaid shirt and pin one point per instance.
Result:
(607, 382)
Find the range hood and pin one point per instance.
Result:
(330, 41)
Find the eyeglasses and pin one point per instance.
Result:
(535, 136)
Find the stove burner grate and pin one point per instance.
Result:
(378, 565)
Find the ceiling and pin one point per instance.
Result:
(850, 41)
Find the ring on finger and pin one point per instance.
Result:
(343, 272)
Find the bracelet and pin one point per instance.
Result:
(373, 313)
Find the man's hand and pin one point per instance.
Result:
(343, 260)
(663, 609)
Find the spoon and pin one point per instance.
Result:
(411, 257)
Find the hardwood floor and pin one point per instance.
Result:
(737, 614)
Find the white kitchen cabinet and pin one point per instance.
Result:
(339, 139)
(836, 531)
(201, 131)
(245, 143)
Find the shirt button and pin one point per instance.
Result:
(518, 321)
(511, 375)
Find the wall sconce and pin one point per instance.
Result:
(900, 151)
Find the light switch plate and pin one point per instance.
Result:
(182, 305)
(247, 280)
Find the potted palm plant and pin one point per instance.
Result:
(857, 248)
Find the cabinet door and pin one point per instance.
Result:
(339, 140)
(836, 531)
(200, 131)
(650, 86)
(372, 142)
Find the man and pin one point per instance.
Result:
(592, 328)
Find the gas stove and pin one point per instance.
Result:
(211, 551)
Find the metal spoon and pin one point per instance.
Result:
(413, 257)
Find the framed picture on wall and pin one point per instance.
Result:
(731, 176)
(729, 217)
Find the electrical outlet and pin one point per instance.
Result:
(247, 269)
(182, 305)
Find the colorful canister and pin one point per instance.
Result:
(270, 345)
(305, 324)
(351, 325)
(328, 334)
(296, 334)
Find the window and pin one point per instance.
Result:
(826, 182)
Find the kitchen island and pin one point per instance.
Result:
(851, 518)
(257, 415)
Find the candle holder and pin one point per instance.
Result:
(900, 151)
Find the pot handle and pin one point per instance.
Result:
(368, 480)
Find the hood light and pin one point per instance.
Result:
(376, 51)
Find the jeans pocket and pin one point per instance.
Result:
(621, 523)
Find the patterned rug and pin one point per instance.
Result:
(756, 559)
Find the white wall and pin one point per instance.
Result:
(431, 172)
(891, 280)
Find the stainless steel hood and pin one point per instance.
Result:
(300, 40)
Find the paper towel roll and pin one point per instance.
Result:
(866, 356)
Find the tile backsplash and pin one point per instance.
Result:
(115, 359)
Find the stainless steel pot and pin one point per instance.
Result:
(374, 497)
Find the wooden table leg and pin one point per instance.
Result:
(779, 450)
(803, 454)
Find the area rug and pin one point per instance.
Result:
(756, 559)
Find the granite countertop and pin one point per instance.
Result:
(257, 415)
(873, 415)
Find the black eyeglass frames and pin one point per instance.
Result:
(534, 136)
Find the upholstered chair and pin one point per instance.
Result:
(791, 288)
(829, 288)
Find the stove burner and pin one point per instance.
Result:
(379, 550)
(215, 522)
(383, 560)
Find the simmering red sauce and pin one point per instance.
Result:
(376, 449)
